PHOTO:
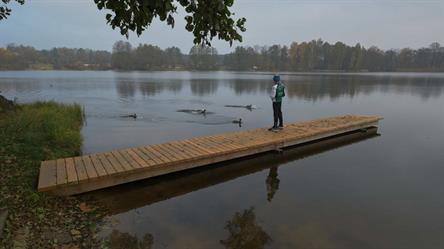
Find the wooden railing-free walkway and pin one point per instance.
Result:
(80, 174)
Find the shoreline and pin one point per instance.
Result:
(320, 72)
(30, 133)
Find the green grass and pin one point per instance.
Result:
(29, 134)
(43, 130)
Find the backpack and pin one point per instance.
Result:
(280, 92)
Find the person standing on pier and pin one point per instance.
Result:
(276, 95)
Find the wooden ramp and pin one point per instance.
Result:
(75, 175)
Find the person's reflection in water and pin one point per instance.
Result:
(272, 183)
(244, 232)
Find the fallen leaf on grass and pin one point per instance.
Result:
(85, 208)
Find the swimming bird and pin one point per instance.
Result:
(195, 111)
(200, 111)
(237, 121)
(249, 107)
(129, 116)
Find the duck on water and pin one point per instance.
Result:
(249, 107)
(237, 122)
(194, 111)
(129, 116)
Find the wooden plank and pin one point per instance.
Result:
(133, 163)
(200, 144)
(101, 171)
(142, 158)
(71, 171)
(89, 166)
(106, 164)
(135, 159)
(177, 152)
(116, 164)
(199, 147)
(136, 163)
(223, 143)
(80, 169)
(149, 155)
(207, 144)
(227, 140)
(218, 142)
(166, 149)
(48, 174)
(145, 156)
(155, 155)
(186, 149)
(62, 177)
(216, 145)
(192, 147)
(126, 166)
(165, 153)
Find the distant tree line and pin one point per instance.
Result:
(15, 57)
(318, 55)
(315, 55)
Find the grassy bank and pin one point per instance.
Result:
(31, 133)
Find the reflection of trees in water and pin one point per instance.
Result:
(20, 85)
(119, 240)
(152, 88)
(174, 86)
(315, 87)
(244, 232)
(423, 87)
(314, 235)
(202, 87)
(125, 88)
(272, 183)
(147, 88)
(248, 86)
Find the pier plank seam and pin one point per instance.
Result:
(90, 172)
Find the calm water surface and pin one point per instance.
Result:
(373, 190)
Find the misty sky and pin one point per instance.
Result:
(383, 23)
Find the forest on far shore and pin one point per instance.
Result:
(316, 55)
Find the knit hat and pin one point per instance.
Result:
(276, 78)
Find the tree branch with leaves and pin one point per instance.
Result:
(205, 19)
(5, 11)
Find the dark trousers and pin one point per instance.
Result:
(277, 114)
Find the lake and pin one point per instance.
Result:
(381, 190)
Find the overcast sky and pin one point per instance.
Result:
(383, 23)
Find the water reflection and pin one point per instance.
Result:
(126, 89)
(246, 86)
(272, 183)
(316, 87)
(201, 87)
(384, 192)
(311, 87)
(119, 240)
(144, 193)
(152, 88)
(245, 232)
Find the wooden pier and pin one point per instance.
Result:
(81, 174)
(158, 189)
